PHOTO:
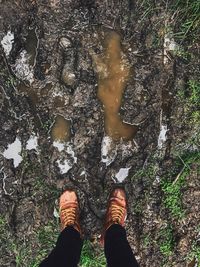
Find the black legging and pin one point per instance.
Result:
(69, 244)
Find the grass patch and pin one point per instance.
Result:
(183, 53)
(166, 243)
(186, 14)
(6, 239)
(147, 240)
(48, 191)
(28, 253)
(194, 93)
(46, 237)
(172, 197)
(90, 257)
(149, 170)
(193, 102)
(172, 189)
(31, 253)
(147, 8)
(190, 98)
(195, 253)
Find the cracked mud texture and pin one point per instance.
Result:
(49, 89)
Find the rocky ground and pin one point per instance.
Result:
(53, 134)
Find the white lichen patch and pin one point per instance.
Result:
(13, 152)
(7, 42)
(32, 143)
(162, 136)
(23, 70)
(122, 174)
(108, 150)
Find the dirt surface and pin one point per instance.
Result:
(51, 110)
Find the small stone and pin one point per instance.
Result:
(68, 77)
(65, 42)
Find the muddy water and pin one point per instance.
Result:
(113, 73)
(22, 88)
(61, 129)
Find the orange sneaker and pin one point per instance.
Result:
(116, 210)
(69, 210)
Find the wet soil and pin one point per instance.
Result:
(93, 82)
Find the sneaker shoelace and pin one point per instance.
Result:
(69, 216)
(117, 213)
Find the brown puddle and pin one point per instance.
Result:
(113, 74)
(61, 129)
(22, 88)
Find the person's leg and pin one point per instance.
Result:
(67, 251)
(117, 249)
(68, 247)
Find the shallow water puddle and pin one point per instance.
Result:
(61, 129)
(22, 88)
(113, 73)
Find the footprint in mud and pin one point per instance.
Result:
(113, 71)
(60, 134)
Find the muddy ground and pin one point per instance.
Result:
(51, 110)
